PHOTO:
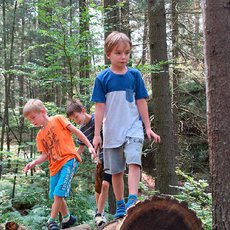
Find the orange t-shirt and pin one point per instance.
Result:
(56, 141)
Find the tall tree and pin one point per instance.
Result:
(111, 19)
(217, 62)
(84, 46)
(165, 157)
(175, 73)
(145, 38)
(8, 63)
(111, 23)
(125, 27)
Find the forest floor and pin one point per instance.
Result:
(147, 180)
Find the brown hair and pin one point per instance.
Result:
(33, 105)
(73, 106)
(113, 39)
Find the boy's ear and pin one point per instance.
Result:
(83, 110)
(108, 55)
(43, 111)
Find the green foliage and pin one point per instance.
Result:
(192, 125)
(5, 202)
(36, 217)
(195, 193)
(81, 205)
(31, 206)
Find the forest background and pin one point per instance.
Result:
(52, 50)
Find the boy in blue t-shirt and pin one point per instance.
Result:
(120, 96)
(76, 112)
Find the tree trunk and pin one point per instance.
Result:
(111, 19)
(7, 77)
(21, 80)
(175, 74)
(111, 23)
(165, 157)
(84, 45)
(217, 52)
(124, 27)
(196, 32)
(21, 96)
(145, 40)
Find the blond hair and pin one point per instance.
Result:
(113, 39)
(33, 105)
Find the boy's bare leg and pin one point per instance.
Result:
(97, 195)
(58, 202)
(133, 178)
(118, 185)
(103, 196)
(63, 208)
(118, 188)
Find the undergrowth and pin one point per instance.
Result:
(193, 192)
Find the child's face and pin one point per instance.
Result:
(37, 119)
(119, 56)
(78, 118)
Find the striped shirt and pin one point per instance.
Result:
(88, 130)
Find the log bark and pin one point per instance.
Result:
(157, 213)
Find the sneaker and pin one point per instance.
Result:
(100, 219)
(72, 220)
(131, 201)
(120, 211)
(95, 212)
(52, 226)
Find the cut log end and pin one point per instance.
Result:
(158, 213)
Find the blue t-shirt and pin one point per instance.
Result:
(119, 93)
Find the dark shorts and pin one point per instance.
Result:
(101, 176)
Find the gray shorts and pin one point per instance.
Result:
(115, 159)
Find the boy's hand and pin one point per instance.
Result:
(29, 166)
(92, 151)
(150, 134)
(97, 142)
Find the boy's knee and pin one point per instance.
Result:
(134, 166)
(105, 186)
(57, 197)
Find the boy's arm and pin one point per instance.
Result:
(42, 158)
(99, 114)
(80, 149)
(143, 110)
(81, 136)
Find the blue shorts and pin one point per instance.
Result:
(60, 183)
(115, 159)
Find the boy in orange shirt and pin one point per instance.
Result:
(55, 143)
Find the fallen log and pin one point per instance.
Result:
(80, 227)
(11, 225)
(157, 213)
